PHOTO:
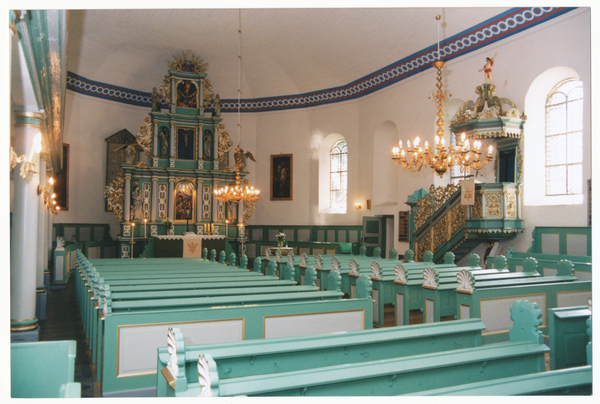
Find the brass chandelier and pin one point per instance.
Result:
(236, 192)
(461, 154)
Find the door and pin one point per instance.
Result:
(372, 233)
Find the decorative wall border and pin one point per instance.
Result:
(502, 26)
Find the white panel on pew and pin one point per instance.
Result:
(429, 307)
(93, 252)
(318, 283)
(138, 343)
(550, 243)
(353, 236)
(331, 235)
(313, 324)
(341, 236)
(495, 313)
(352, 291)
(465, 312)
(305, 250)
(577, 244)
(250, 249)
(399, 309)
(518, 268)
(302, 279)
(375, 305)
(58, 269)
(549, 271)
(583, 276)
(575, 298)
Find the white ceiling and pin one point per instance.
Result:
(285, 51)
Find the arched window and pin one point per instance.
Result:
(564, 139)
(338, 177)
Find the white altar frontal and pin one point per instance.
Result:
(192, 243)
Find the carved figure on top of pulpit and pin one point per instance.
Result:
(155, 97)
(164, 142)
(487, 68)
(187, 94)
(207, 142)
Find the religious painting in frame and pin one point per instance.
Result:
(185, 142)
(184, 199)
(282, 177)
(61, 180)
(187, 94)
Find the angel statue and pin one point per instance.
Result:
(131, 151)
(240, 158)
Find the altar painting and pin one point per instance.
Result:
(184, 201)
(186, 143)
(187, 94)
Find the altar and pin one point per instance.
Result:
(189, 245)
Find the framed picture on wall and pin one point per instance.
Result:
(61, 180)
(282, 177)
(115, 155)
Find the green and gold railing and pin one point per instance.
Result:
(440, 223)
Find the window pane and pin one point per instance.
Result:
(556, 98)
(575, 121)
(575, 176)
(556, 180)
(335, 162)
(575, 145)
(556, 119)
(556, 150)
(335, 181)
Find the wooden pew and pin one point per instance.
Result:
(43, 370)
(407, 290)
(120, 350)
(567, 336)
(439, 285)
(251, 358)
(573, 381)
(549, 263)
(489, 300)
(524, 354)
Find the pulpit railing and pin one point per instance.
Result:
(441, 223)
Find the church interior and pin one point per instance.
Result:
(223, 202)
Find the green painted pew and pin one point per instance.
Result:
(572, 382)
(549, 263)
(524, 354)
(43, 370)
(490, 300)
(251, 358)
(439, 285)
(567, 336)
(407, 289)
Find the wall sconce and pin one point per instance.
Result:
(28, 162)
(357, 206)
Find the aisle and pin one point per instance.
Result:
(64, 323)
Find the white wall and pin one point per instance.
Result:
(564, 41)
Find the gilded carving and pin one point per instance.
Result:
(144, 137)
(477, 209)
(430, 203)
(114, 195)
(496, 107)
(511, 205)
(249, 209)
(187, 61)
(440, 232)
(459, 218)
(493, 207)
(224, 144)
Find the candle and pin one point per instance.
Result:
(145, 220)
(212, 228)
(226, 227)
(132, 231)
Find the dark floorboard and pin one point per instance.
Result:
(63, 322)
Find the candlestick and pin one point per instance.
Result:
(226, 227)
(132, 231)
(145, 220)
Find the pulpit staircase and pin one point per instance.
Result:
(440, 223)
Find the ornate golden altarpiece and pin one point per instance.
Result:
(186, 148)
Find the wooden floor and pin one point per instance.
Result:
(63, 322)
